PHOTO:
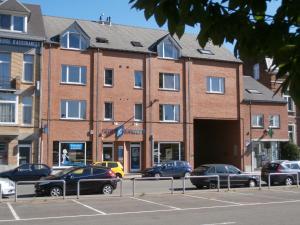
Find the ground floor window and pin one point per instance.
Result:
(263, 152)
(3, 154)
(108, 152)
(72, 153)
(163, 151)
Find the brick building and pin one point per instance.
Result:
(21, 37)
(113, 92)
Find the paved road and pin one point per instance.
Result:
(278, 206)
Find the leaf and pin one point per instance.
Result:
(160, 17)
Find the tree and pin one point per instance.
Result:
(290, 151)
(244, 22)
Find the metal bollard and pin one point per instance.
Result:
(133, 187)
(16, 191)
(172, 186)
(0, 193)
(78, 189)
(183, 185)
(64, 191)
(259, 182)
(297, 180)
(269, 181)
(218, 183)
(228, 182)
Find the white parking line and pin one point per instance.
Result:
(13, 212)
(213, 199)
(89, 207)
(295, 192)
(155, 203)
(225, 223)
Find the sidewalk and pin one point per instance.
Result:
(132, 175)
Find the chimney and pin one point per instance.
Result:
(102, 21)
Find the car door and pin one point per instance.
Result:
(40, 170)
(74, 176)
(23, 173)
(236, 179)
(167, 169)
(221, 170)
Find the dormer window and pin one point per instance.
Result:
(167, 49)
(73, 40)
(13, 23)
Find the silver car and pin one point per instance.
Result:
(7, 187)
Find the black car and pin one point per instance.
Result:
(72, 175)
(171, 168)
(27, 172)
(223, 170)
(283, 166)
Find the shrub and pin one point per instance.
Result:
(290, 151)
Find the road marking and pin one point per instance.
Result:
(13, 212)
(89, 207)
(225, 223)
(213, 199)
(155, 203)
(295, 192)
(256, 195)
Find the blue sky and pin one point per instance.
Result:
(119, 10)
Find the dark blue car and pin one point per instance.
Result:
(172, 168)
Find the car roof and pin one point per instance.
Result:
(217, 164)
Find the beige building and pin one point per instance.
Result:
(21, 36)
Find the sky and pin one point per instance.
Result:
(119, 10)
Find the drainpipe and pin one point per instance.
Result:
(40, 156)
(49, 101)
(97, 105)
(189, 112)
(250, 115)
(150, 116)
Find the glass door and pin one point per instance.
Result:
(135, 157)
(24, 154)
(108, 152)
(3, 154)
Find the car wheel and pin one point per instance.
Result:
(107, 189)
(119, 175)
(212, 185)
(199, 186)
(251, 183)
(56, 192)
(157, 175)
(187, 174)
(288, 181)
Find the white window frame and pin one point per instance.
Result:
(257, 125)
(70, 142)
(16, 111)
(162, 54)
(174, 113)
(165, 142)
(135, 119)
(287, 97)
(24, 64)
(293, 132)
(67, 109)
(68, 74)
(140, 73)
(221, 83)
(112, 112)
(175, 75)
(112, 78)
(12, 23)
(27, 105)
(271, 119)
(256, 71)
(68, 40)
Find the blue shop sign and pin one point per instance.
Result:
(17, 42)
(120, 131)
(76, 146)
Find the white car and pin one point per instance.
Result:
(7, 187)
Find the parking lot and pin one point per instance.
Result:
(278, 205)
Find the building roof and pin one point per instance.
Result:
(35, 26)
(256, 92)
(119, 37)
(13, 5)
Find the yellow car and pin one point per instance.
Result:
(116, 167)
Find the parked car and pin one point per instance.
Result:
(282, 166)
(27, 172)
(7, 187)
(223, 170)
(171, 168)
(116, 167)
(72, 175)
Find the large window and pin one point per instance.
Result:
(169, 81)
(73, 40)
(215, 85)
(71, 154)
(12, 23)
(108, 111)
(167, 49)
(290, 103)
(274, 121)
(73, 74)
(3, 153)
(167, 151)
(73, 109)
(4, 70)
(27, 110)
(8, 108)
(108, 152)
(291, 131)
(108, 77)
(169, 113)
(28, 68)
(138, 112)
(138, 79)
(257, 121)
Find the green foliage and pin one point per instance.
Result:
(290, 151)
(257, 34)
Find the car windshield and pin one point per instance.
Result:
(202, 168)
(64, 172)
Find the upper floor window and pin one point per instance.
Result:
(169, 113)
(167, 49)
(215, 85)
(12, 23)
(138, 79)
(138, 112)
(291, 132)
(257, 121)
(27, 110)
(28, 68)
(290, 103)
(73, 40)
(256, 72)
(73, 109)
(8, 108)
(108, 77)
(73, 74)
(169, 81)
(274, 121)
(108, 111)
(4, 67)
